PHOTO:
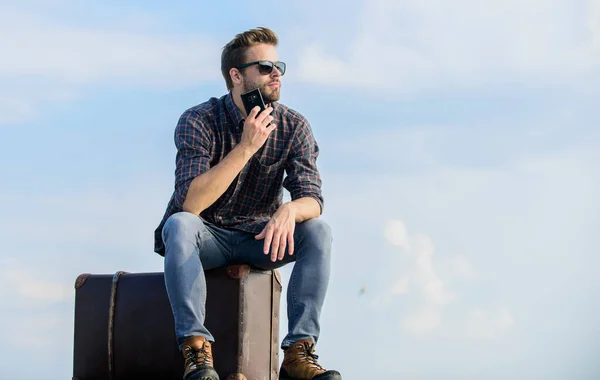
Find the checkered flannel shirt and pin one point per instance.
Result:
(206, 133)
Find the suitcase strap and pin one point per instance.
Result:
(111, 323)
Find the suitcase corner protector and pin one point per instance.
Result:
(277, 276)
(78, 284)
(238, 271)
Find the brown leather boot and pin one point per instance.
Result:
(300, 363)
(198, 359)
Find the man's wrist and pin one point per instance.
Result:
(290, 206)
(294, 209)
(246, 150)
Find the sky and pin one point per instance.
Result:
(460, 148)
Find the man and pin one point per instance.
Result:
(227, 207)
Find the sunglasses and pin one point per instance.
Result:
(265, 67)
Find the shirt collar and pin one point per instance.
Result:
(235, 112)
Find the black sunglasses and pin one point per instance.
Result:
(265, 67)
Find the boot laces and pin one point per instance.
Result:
(310, 356)
(198, 357)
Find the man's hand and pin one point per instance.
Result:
(279, 232)
(257, 128)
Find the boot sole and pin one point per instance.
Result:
(203, 374)
(329, 375)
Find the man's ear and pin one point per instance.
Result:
(235, 75)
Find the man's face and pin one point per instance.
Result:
(269, 84)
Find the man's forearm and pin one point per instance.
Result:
(305, 208)
(206, 188)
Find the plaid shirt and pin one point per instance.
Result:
(206, 133)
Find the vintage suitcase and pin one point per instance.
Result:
(124, 325)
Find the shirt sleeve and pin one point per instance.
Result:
(303, 178)
(193, 144)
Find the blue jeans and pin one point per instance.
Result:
(193, 246)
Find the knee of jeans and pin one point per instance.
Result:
(318, 229)
(181, 223)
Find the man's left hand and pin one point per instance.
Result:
(279, 232)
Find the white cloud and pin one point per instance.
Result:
(489, 224)
(28, 285)
(16, 109)
(79, 55)
(489, 325)
(48, 61)
(401, 286)
(423, 320)
(433, 292)
(395, 232)
(461, 266)
(432, 286)
(414, 46)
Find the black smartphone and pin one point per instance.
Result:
(252, 99)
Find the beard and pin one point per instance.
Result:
(269, 94)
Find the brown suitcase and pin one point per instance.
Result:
(124, 326)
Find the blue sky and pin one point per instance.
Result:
(460, 151)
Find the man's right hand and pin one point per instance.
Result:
(257, 128)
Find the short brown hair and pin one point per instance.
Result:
(234, 53)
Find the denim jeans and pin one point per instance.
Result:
(193, 246)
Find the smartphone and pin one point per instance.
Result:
(252, 99)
